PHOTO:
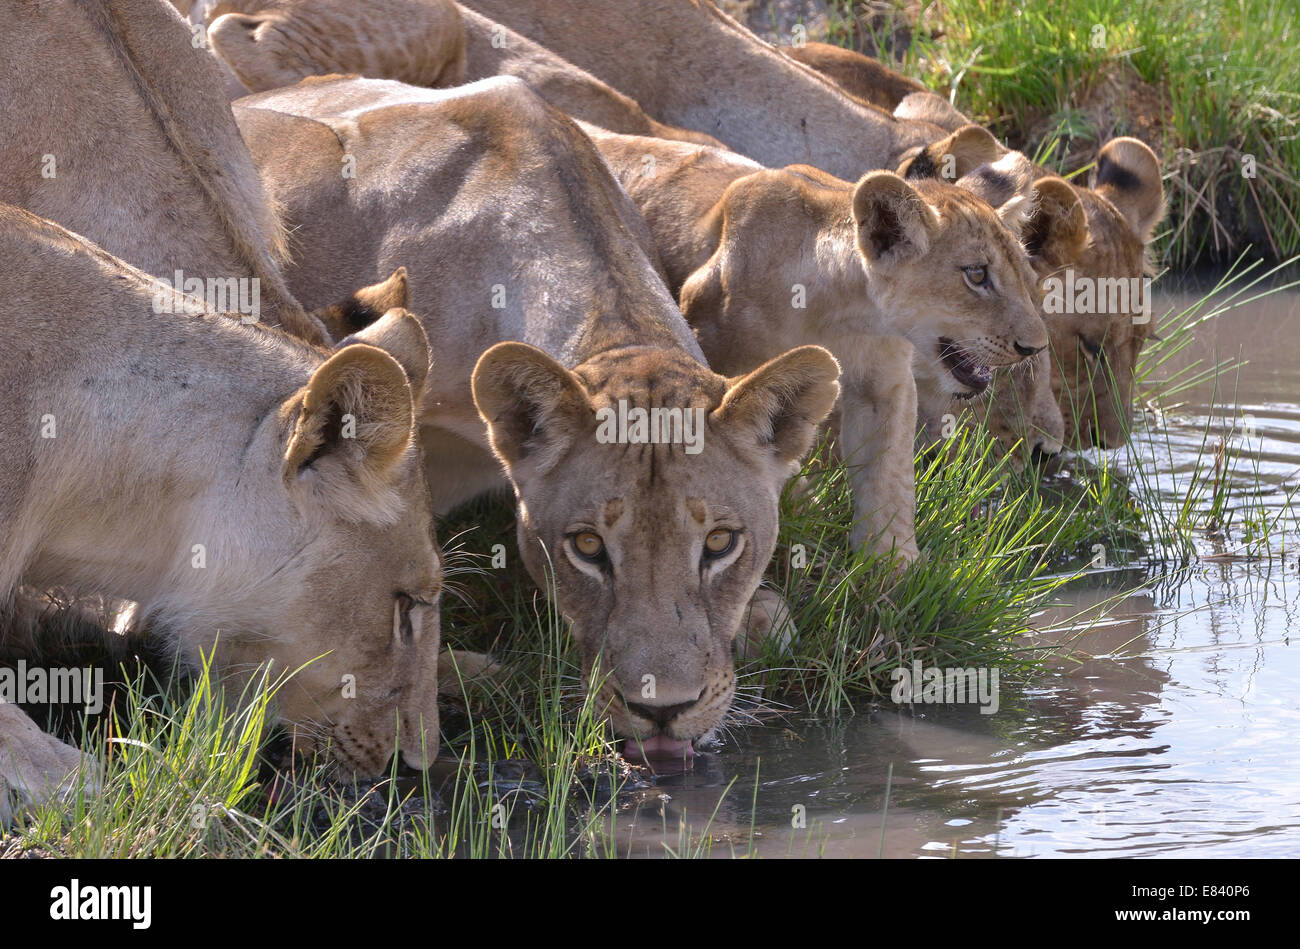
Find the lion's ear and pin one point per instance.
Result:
(366, 305)
(1007, 186)
(356, 420)
(1057, 229)
(401, 335)
(953, 157)
(893, 221)
(238, 39)
(533, 407)
(1128, 176)
(932, 108)
(782, 402)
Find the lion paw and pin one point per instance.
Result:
(36, 768)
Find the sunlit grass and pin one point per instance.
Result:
(1229, 71)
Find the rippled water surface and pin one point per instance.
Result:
(1172, 727)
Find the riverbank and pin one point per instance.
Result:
(1213, 86)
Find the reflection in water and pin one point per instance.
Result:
(1168, 725)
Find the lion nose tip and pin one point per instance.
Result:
(1042, 454)
(1028, 350)
(661, 714)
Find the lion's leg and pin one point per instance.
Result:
(36, 767)
(877, 431)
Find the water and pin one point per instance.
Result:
(1170, 727)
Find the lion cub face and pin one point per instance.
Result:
(340, 577)
(655, 549)
(1095, 238)
(948, 272)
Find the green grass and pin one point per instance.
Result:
(1228, 69)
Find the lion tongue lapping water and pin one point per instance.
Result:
(657, 748)
(965, 368)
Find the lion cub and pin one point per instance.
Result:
(255, 495)
(1091, 240)
(920, 289)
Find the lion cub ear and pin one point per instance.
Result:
(1128, 176)
(782, 402)
(1057, 229)
(932, 108)
(401, 335)
(955, 156)
(356, 420)
(893, 221)
(1005, 185)
(244, 42)
(533, 407)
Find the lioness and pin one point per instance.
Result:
(529, 265)
(900, 282)
(256, 495)
(687, 63)
(114, 127)
(494, 50)
(414, 41)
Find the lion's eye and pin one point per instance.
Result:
(719, 542)
(976, 276)
(1094, 349)
(403, 628)
(588, 545)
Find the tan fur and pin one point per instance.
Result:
(147, 161)
(690, 65)
(494, 50)
(1119, 213)
(1100, 232)
(763, 260)
(953, 156)
(859, 76)
(273, 43)
(487, 193)
(133, 435)
(926, 106)
(36, 767)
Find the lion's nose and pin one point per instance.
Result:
(1042, 454)
(661, 714)
(1028, 350)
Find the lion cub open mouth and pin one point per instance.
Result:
(965, 368)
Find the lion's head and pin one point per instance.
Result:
(653, 550)
(1096, 238)
(1093, 237)
(330, 567)
(949, 274)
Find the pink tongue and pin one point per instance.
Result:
(660, 747)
